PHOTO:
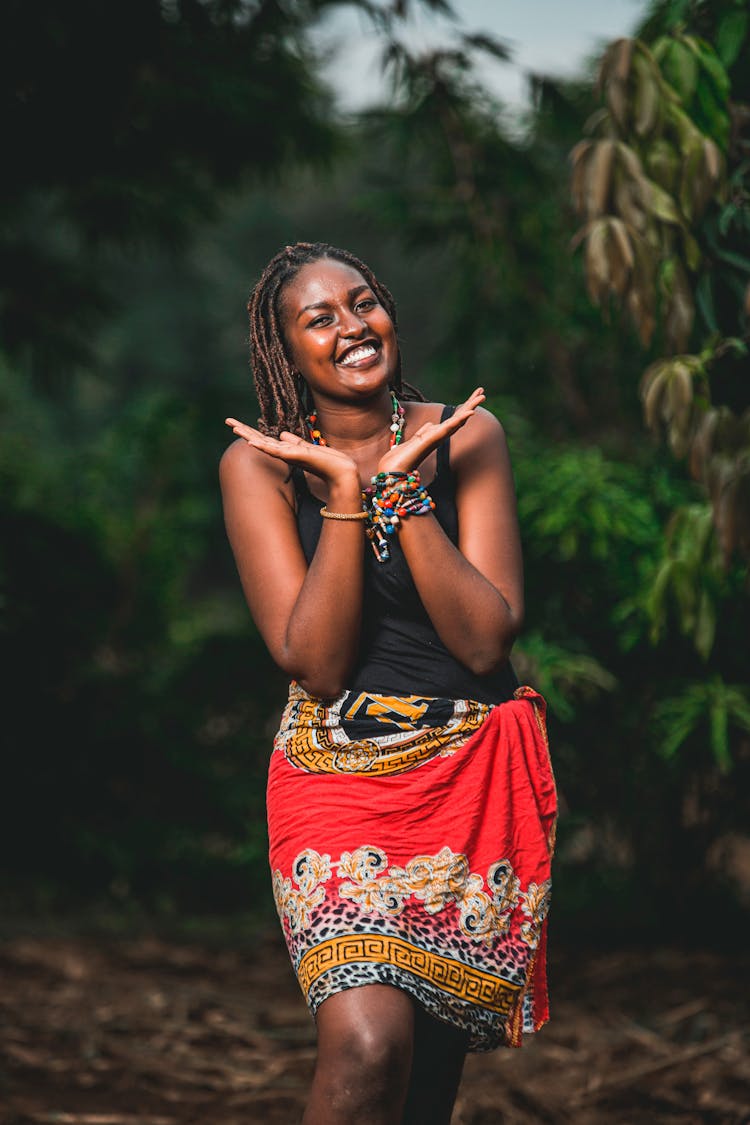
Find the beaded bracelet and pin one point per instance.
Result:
(363, 515)
(392, 497)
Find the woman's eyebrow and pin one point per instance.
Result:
(353, 293)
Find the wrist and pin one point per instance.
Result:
(345, 495)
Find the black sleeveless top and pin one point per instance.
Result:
(399, 651)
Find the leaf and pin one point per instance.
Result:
(734, 259)
(622, 54)
(704, 298)
(498, 48)
(726, 217)
(613, 74)
(691, 195)
(711, 65)
(619, 233)
(579, 157)
(663, 163)
(693, 255)
(714, 118)
(662, 205)
(597, 262)
(713, 159)
(705, 625)
(598, 178)
(730, 34)
(645, 96)
(678, 717)
(680, 389)
(678, 321)
(627, 200)
(653, 391)
(719, 727)
(679, 66)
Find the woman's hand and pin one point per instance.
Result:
(410, 454)
(329, 464)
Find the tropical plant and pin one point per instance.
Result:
(663, 183)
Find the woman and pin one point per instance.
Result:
(411, 803)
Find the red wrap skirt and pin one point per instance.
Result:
(410, 845)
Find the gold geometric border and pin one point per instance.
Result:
(306, 739)
(453, 977)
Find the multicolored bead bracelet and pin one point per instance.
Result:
(391, 498)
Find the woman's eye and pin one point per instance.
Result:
(318, 322)
(368, 303)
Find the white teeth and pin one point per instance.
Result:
(363, 352)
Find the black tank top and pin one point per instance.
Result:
(399, 652)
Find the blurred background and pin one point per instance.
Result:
(562, 213)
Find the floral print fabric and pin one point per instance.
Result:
(417, 855)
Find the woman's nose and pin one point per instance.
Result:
(351, 323)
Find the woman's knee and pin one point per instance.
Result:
(365, 1044)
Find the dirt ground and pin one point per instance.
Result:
(150, 1031)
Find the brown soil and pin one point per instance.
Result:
(154, 1032)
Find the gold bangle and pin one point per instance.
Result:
(343, 515)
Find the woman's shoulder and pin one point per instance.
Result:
(483, 420)
(242, 465)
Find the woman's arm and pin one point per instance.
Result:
(473, 593)
(310, 617)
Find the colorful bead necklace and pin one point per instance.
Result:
(396, 427)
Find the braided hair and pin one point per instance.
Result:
(281, 390)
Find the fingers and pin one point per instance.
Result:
(239, 428)
(263, 442)
(467, 408)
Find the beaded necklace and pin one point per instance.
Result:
(375, 533)
(396, 426)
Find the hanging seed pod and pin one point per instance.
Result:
(596, 262)
(612, 79)
(653, 391)
(620, 255)
(703, 442)
(598, 178)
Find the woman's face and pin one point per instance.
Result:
(337, 334)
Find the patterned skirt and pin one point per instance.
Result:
(410, 844)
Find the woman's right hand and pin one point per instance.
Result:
(331, 465)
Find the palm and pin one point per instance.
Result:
(411, 453)
(320, 460)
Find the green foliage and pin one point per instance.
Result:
(704, 713)
(141, 700)
(567, 679)
(574, 502)
(688, 580)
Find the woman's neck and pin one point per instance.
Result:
(352, 427)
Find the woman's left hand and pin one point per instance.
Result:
(410, 454)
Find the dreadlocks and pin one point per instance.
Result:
(279, 388)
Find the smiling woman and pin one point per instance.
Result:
(411, 802)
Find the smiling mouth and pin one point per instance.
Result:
(360, 354)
